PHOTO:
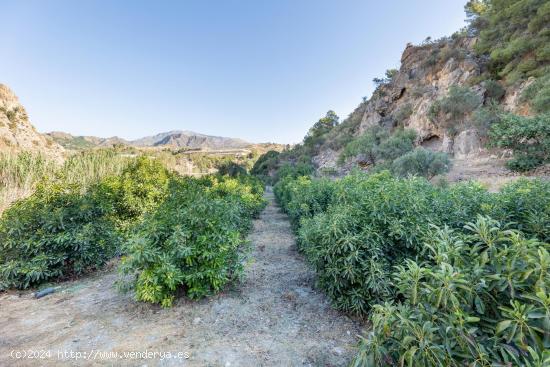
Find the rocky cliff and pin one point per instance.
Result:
(426, 74)
(16, 131)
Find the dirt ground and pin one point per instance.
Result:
(274, 317)
(489, 171)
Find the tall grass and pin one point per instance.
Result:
(21, 172)
(87, 167)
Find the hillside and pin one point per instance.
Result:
(16, 131)
(476, 102)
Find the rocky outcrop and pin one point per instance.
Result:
(425, 76)
(17, 134)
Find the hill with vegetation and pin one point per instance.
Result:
(17, 134)
(482, 93)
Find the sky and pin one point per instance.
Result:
(260, 70)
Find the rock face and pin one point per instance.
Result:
(17, 134)
(425, 75)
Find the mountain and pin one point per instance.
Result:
(16, 131)
(191, 140)
(171, 139)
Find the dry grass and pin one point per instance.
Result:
(21, 172)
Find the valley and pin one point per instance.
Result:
(415, 231)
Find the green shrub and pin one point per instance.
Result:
(421, 162)
(294, 170)
(303, 197)
(451, 110)
(354, 230)
(67, 228)
(486, 116)
(266, 165)
(139, 188)
(376, 145)
(538, 93)
(370, 226)
(513, 34)
(191, 242)
(231, 169)
(58, 232)
(526, 204)
(493, 90)
(480, 299)
(527, 137)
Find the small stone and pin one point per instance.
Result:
(196, 320)
(338, 351)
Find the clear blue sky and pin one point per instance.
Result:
(255, 69)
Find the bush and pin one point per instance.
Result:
(141, 186)
(266, 165)
(58, 232)
(356, 229)
(303, 197)
(192, 241)
(486, 116)
(452, 109)
(377, 145)
(421, 162)
(527, 137)
(480, 298)
(65, 228)
(493, 90)
(538, 93)
(526, 203)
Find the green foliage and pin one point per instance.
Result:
(479, 298)
(57, 232)
(356, 229)
(315, 135)
(377, 145)
(527, 137)
(140, 187)
(266, 165)
(388, 77)
(515, 35)
(538, 93)
(486, 116)
(192, 241)
(231, 169)
(452, 109)
(525, 202)
(64, 228)
(421, 162)
(305, 196)
(294, 170)
(493, 90)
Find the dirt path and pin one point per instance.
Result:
(273, 318)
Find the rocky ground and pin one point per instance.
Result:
(274, 317)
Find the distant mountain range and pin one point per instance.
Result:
(171, 139)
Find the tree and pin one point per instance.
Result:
(320, 128)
